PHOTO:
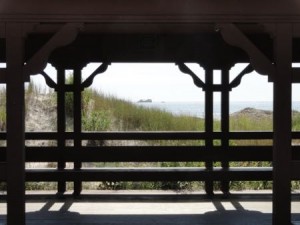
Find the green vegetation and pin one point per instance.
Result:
(128, 116)
(108, 113)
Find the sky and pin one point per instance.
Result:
(165, 82)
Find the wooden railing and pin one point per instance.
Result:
(188, 153)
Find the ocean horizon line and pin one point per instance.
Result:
(197, 108)
(188, 101)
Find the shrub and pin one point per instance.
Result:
(96, 121)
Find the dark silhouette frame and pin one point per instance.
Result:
(216, 35)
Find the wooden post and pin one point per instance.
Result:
(209, 123)
(282, 126)
(77, 123)
(225, 123)
(61, 122)
(15, 125)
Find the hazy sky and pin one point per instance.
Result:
(165, 82)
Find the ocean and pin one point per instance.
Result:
(197, 108)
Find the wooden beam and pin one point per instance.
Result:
(15, 125)
(151, 12)
(282, 125)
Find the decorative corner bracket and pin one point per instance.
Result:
(89, 81)
(237, 81)
(233, 36)
(197, 81)
(48, 80)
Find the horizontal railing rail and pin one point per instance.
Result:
(148, 153)
(151, 135)
(151, 153)
(150, 174)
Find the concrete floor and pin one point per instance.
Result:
(154, 208)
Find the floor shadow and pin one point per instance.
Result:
(163, 197)
(229, 217)
(220, 216)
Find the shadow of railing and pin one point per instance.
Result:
(78, 211)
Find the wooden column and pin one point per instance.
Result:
(15, 125)
(61, 122)
(209, 124)
(225, 122)
(77, 123)
(282, 126)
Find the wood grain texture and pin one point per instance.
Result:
(154, 10)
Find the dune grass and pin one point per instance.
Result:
(107, 113)
(128, 116)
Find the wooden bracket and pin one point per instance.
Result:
(66, 35)
(233, 36)
(89, 81)
(237, 81)
(197, 81)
